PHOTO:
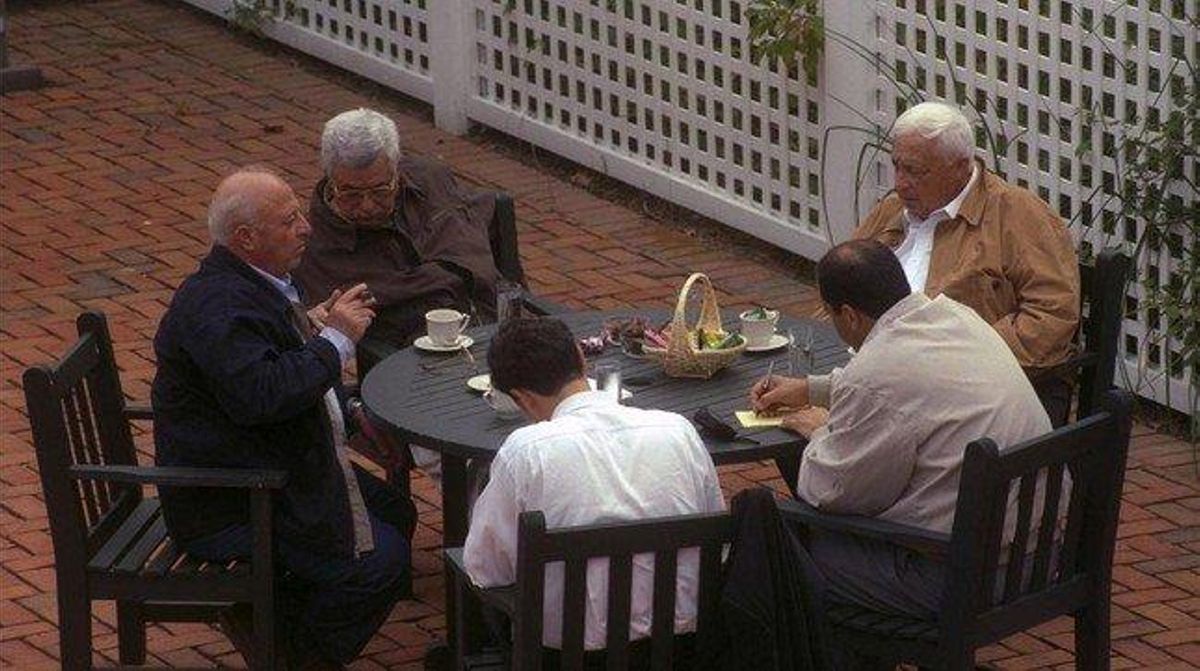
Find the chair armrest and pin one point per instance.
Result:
(138, 411)
(178, 476)
(503, 599)
(930, 543)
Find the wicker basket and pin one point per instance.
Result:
(681, 357)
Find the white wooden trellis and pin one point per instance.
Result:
(662, 95)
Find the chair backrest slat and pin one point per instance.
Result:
(574, 618)
(662, 628)
(708, 594)
(81, 453)
(1020, 541)
(1092, 453)
(1041, 573)
(620, 586)
(623, 544)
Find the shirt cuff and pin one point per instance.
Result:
(819, 388)
(344, 345)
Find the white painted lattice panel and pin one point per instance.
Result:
(384, 40)
(1028, 69)
(661, 95)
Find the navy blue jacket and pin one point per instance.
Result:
(238, 387)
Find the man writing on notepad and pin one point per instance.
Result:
(888, 432)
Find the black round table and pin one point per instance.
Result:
(423, 396)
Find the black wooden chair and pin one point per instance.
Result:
(1093, 366)
(1067, 575)
(619, 542)
(110, 541)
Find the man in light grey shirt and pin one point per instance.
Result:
(887, 433)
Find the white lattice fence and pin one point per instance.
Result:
(662, 95)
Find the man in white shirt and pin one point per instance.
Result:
(887, 434)
(587, 459)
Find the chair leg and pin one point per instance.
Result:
(265, 656)
(75, 630)
(131, 632)
(1093, 637)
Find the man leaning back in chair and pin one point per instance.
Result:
(400, 224)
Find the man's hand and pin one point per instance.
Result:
(350, 312)
(806, 421)
(319, 314)
(775, 392)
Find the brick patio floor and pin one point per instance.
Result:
(104, 183)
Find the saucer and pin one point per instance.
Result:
(777, 340)
(429, 346)
(480, 383)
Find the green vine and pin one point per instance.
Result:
(791, 31)
(249, 16)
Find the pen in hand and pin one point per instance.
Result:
(767, 381)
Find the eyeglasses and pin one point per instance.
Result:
(352, 196)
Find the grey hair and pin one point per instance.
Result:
(234, 203)
(357, 138)
(945, 125)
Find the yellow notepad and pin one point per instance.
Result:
(750, 420)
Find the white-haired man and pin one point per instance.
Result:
(961, 230)
(400, 224)
(246, 380)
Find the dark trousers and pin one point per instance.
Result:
(332, 605)
(1055, 395)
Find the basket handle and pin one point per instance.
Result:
(710, 315)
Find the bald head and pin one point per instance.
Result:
(238, 199)
(256, 215)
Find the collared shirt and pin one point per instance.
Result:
(918, 240)
(364, 537)
(1007, 256)
(930, 377)
(344, 345)
(594, 461)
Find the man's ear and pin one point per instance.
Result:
(524, 400)
(243, 238)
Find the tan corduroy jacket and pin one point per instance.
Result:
(1008, 256)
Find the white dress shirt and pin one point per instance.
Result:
(917, 247)
(595, 461)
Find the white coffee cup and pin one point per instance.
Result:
(758, 331)
(444, 326)
(502, 403)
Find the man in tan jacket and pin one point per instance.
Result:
(962, 231)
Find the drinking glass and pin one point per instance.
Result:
(608, 380)
(508, 300)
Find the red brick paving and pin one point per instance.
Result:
(104, 182)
